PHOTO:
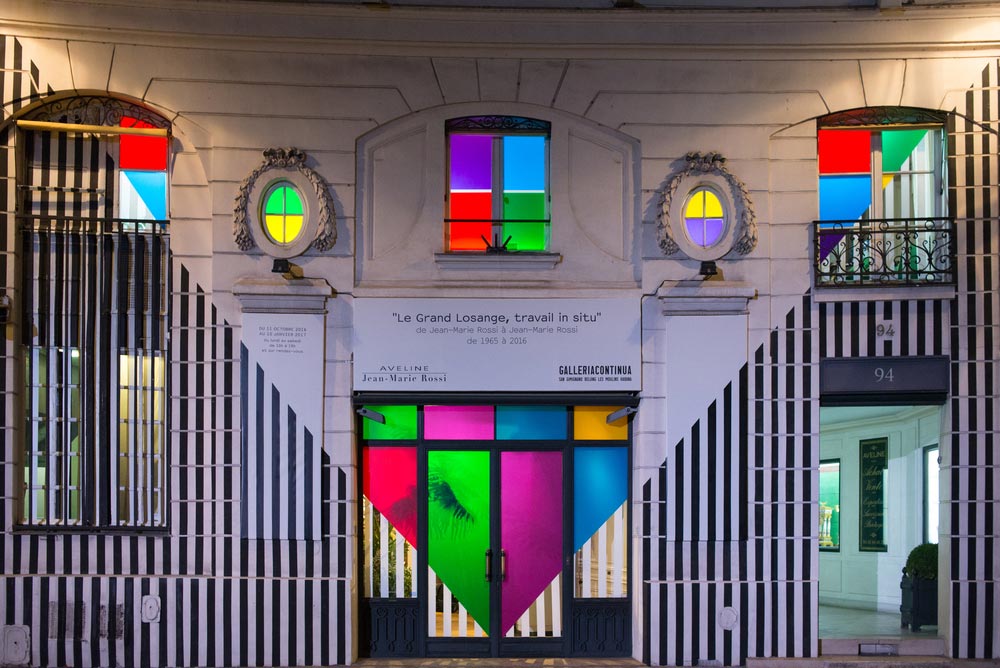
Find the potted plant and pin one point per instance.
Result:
(919, 587)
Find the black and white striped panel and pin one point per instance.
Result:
(281, 464)
(974, 474)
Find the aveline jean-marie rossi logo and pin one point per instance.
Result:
(392, 374)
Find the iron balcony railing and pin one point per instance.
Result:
(884, 252)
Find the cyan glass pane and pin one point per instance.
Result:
(471, 162)
(600, 486)
(400, 424)
(844, 197)
(523, 163)
(531, 423)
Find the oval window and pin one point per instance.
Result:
(704, 217)
(284, 215)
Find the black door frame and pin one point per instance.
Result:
(617, 612)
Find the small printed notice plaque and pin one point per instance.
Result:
(874, 461)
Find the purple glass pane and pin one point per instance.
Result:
(696, 229)
(713, 230)
(471, 162)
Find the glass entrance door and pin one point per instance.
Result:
(495, 546)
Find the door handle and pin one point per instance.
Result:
(489, 565)
(503, 564)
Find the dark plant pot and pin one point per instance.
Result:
(919, 602)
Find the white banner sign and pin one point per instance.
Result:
(504, 345)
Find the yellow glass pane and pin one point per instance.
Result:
(713, 207)
(275, 227)
(293, 226)
(695, 206)
(590, 424)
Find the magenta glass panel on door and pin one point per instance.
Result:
(531, 535)
(458, 423)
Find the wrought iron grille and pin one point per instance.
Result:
(884, 252)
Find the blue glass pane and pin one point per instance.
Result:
(531, 422)
(524, 163)
(844, 197)
(600, 486)
(143, 195)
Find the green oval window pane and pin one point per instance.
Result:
(283, 214)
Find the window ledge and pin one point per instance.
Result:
(831, 293)
(512, 261)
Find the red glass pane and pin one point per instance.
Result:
(845, 152)
(471, 205)
(468, 236)
(139, 152)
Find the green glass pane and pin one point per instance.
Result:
(458, 526)
(400, 424)
(524, 206)
(897, 145)
(527, 236)
(293, 203)
(275, 202)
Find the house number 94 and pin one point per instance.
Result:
(883, 374)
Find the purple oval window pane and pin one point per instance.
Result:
(704, 217)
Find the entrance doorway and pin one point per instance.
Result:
(495, 530)
(879, 481)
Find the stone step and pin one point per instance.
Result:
(855, 661)
(905, 646)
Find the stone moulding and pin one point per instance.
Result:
(701, 167)
(289, 161)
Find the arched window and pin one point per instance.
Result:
(95, 305)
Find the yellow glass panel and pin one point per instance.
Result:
(275, 227)
(590, 424)
(695, 206)
(886, 180)
(293, 226)
(713, 207)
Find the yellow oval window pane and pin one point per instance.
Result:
(713, 207)
(275, 227)
(293, 226)
(695, 206)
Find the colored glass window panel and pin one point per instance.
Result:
(390, 483)
(590, 424)
(704, 217)
(526, 236)
(844, 197)
(844, 151)
(531, 423)
(531, 516)
(283, 214)
(471, 162)
(898, 146)
(466, 236)
(400, 424)
(142, 195)
(524, 163)
(458, 526)
(453, 423)
(471, 205)
(600, 487)
(829, 505)
(140, 152)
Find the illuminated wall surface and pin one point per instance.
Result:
(721, 472)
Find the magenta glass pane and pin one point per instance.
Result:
(455, 423)
(471, 162)
(531, 534)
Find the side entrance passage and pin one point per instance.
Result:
(495, 530)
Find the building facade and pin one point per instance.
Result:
(337, 330)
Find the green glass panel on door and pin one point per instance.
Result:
(458, 537)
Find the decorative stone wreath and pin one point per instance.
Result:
(706, 170)
(319, 226)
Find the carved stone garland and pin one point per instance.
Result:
(745, 219)
(285, 158)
